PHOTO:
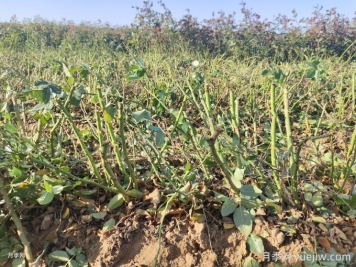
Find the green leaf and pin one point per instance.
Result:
(278, 74)
(185, 127)
(134, 193)
(70, 80)
(209, 162)
(77, 95)
(74, 102)
(318, 219)
(44, 118)
(59, 255)
(4, 254)
(73, 263)
(45, 198)
(317, 199)
(37, 108)
(187, 167)
(17, 248)
(220, 196)
(74, 70)
(239, 174)
(109, 225)
(100, 215)
(256, 244)
(107, 117)
(141, 115)
(243, 220)
(57, 189)
(351, 214)
(160, 138)
(228, 207)
(79, 92)
(238, 177)
(309, 187)
(55, 88)
(266, 72)
(319, 185)
(140, 63)
(353, 201)
(41, 84)
(48, 106)
(81, 259)
(3, 243)
(48, 187)
(174, 114)
(84, 73)
(250, 191)
(13, 241)
(19, 262)
(134, 68)
(71, 251)
(251, 203)
(37, 94)
(64, 168)
(308, 197)
(16, 172)
(140, 73)
(313, 64)
(131, 77)
(11, 128)
(46, 95)
(311, 73)
(84, 132)
(328, 263)
(116, 201)
(250, 262)
(110, 110)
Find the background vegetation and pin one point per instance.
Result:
(325, 33)
(172, 113)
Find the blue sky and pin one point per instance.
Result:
(120, 12)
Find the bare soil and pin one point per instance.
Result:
(135, 240)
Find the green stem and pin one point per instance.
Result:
(59, 121)
(290, 144)
(353, 95)
(39, 132)
(297, 154)
(18, 116)
(166, 209)
(124, 148)
(85, 181)
(112, 136)
(222, 166)
(17, 221)
(109, 172)
(350, 157)
(82, 143)
(173, 129)
(274, 139)
(235, 118)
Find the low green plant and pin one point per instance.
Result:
(69, 257)
(203, 130)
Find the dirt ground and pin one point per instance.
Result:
(135, 241)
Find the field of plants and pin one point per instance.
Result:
(178, 143)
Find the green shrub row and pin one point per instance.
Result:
(325, 33)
